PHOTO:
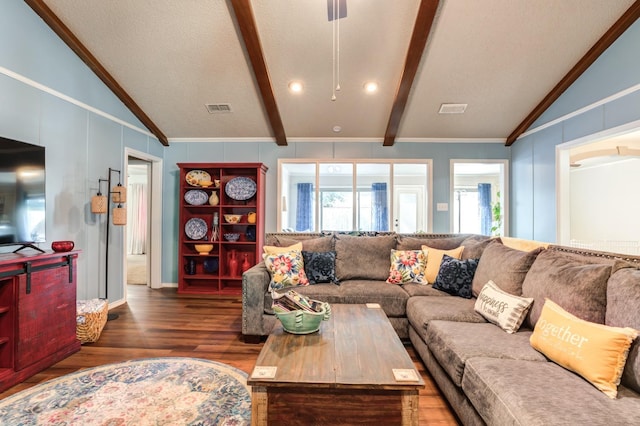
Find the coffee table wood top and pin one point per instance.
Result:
(356, 348)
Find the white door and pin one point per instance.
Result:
(408, 211)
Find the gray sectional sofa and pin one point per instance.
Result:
(488, 376)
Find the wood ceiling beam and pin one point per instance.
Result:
(421, 29)
(617, 29)
(249, 30)
(87, 57)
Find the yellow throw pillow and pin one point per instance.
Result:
(434, 259)
(280, 250)
(595, 351)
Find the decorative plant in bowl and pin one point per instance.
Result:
(299, 314)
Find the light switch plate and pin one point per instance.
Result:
(442, 207)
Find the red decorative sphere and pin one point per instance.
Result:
(62, 246)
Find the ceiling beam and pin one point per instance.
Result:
(249, 30)
(621, 25)
(87, 57)
(422, 27)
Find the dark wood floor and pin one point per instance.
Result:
(158, 323)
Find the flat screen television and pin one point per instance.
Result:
(22, 192)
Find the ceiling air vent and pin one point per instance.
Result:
(452, 108)
(218, 108)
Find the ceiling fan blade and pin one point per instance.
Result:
(341, 6)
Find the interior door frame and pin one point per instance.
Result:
(155, 218)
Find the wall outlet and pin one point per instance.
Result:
(442, 207)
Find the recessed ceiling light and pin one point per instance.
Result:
(337, 129)
(371, 87)
(295, 87)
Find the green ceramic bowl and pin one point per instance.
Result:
(303, 322)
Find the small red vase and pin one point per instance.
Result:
(245, 263)
(233, 264)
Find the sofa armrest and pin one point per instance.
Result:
(255, 283)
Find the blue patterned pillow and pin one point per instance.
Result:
(320, 267)
(455, 276)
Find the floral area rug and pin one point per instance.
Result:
(153, 391)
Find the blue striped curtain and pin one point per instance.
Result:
(484, 204)
(380, 210)
(304, 210)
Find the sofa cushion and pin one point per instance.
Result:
(501, 308)
(453, 343)
(623, 305)
(455, 276)
(421, 310)
(320, 266)
(407, 266)
(361, 257)
(475, 245)
(319, 244)
(392, 299)
(517, 392)
(595, 351)
(575, 283)
(415, 243)
(434, 259)
(414, 289)
(267, 250)
(286, 269)
(504, 266)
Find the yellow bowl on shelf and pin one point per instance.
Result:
(203, 249)
(232, 218)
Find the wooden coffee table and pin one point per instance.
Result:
(342, 374)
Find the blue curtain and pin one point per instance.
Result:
(380, 210)
(484, 203)
(303, 208)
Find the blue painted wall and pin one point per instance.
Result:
(533, 178)
(80, 145)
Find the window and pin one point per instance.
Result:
(479, 196)
(364, 195)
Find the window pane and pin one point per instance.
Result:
(372, 182)
(477, 198)
(336, 197)
(297, 204)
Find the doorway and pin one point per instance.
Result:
(596, 208)
(138, 178)
(143, 242)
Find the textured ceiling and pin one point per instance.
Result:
(501, 57)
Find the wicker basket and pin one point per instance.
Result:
(91, 316)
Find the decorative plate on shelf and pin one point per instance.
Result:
(196, 228)
(240, 188)
(196, 197)
(194, 177)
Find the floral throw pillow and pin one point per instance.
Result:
(286, 269)
(455, 276)
(320, 267)
(407, 266)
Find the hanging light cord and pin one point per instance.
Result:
(333, 52)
